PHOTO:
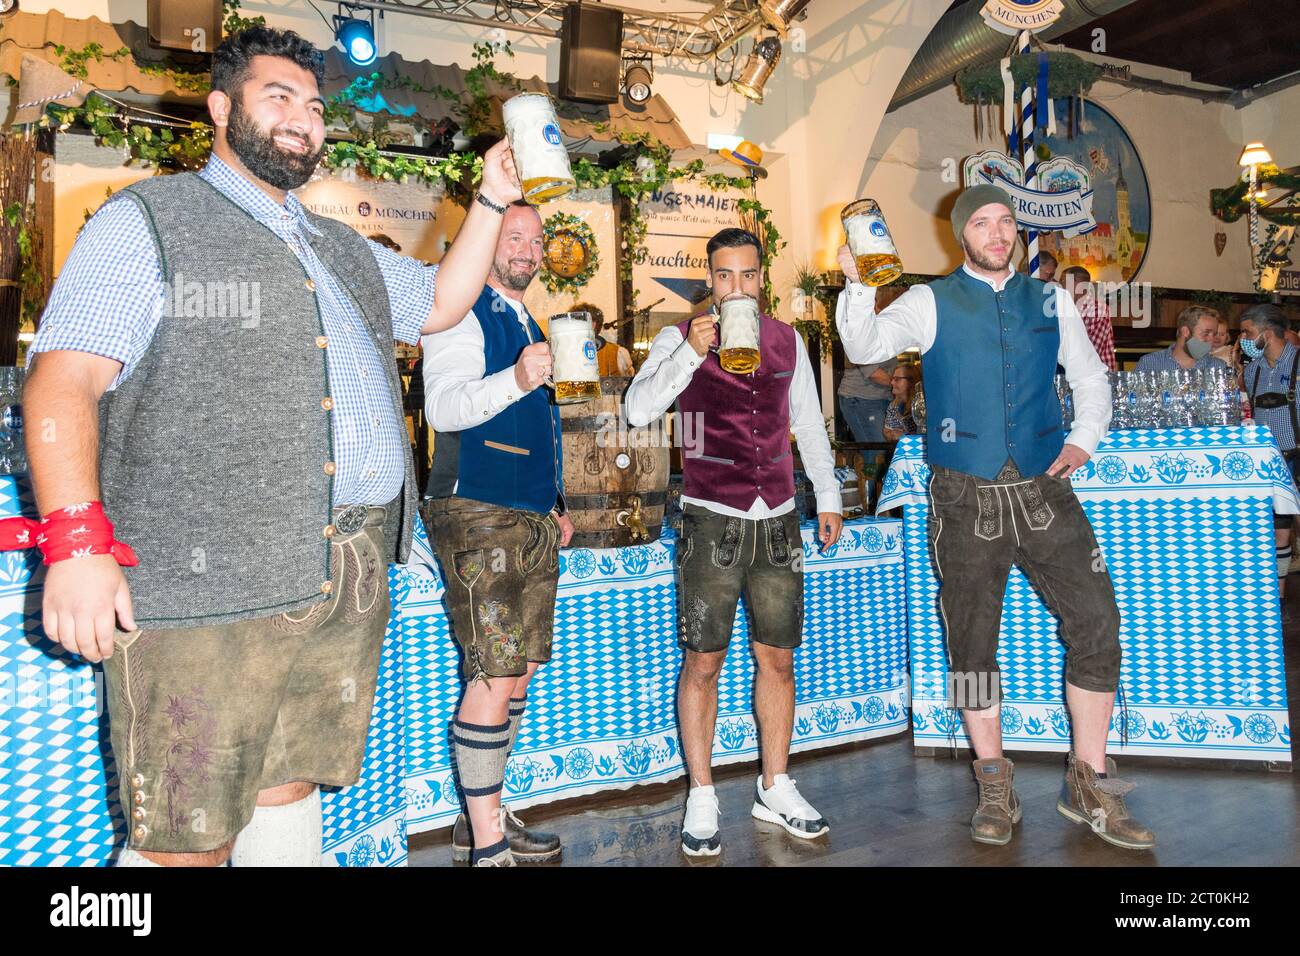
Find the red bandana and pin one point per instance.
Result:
(76, 531)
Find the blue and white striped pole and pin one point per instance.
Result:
(1030, 160)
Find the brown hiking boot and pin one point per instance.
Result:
(999, 807)
(1086, 798)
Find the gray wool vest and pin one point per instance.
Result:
(214, 451)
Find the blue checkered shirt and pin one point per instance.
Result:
(109, 298)
(1164, 361)
(1274, 378)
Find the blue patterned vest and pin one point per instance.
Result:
(989, 378)
(513, 459)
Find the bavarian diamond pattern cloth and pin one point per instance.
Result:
(1184, 521)
(600, 716)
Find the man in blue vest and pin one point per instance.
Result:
(1000, 495)
(495, 512)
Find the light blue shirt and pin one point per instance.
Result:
(1164, 361)
(109, 299)
(1261, 379)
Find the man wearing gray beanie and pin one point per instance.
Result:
(1000, 495)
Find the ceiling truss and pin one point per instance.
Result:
(663, 35)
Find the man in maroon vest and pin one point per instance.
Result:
(740, 531)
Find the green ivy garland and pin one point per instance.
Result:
(564, 222)
(1067, 75)
(1231, 204)
(646, 169)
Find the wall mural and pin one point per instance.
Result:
(1115, 250)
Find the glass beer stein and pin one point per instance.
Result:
(574, 369)
(869, 241)
(540, 156)
(738, 335)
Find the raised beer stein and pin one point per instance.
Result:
(540, 156)
(738, 335)
(869, 241)
(575, 373)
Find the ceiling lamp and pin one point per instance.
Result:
(779, 14)
(754, 74)
(357, 37)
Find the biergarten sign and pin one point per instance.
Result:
(1065, 207)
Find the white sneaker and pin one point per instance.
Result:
(784, 806)
(700, 835)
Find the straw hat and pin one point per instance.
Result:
(41, 83)
(746, 154)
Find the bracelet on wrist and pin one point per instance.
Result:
(484, 201)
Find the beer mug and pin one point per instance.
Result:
(540, 157)
(575, 373)
(869, 241)
(738, 335)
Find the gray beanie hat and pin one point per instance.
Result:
(973, 198)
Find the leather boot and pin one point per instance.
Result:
(999, 807)
(1086, 798)
(526, 846)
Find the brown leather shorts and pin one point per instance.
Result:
(203, 718)
(719, 557)
(500, 567)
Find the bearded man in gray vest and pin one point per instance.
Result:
(216, 367)
(1000, 495)
(740, 530)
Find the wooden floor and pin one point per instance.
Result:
(888, 807)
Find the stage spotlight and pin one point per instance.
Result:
(762, 61)
(637, 79)
(357, 38)
(779, 14)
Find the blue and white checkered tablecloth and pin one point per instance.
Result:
(1184, 520)
(601, 715)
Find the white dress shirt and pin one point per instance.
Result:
(667, 371)
(911, 321)
(457, 394)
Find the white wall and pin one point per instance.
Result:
(1275, 121)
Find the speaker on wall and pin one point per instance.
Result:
(190, 25)
(591, 43)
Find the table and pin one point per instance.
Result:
(601, 715)
(1184, 520)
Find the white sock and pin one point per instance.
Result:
(130, 857)
(288, 835)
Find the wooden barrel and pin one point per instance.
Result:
(610, 476)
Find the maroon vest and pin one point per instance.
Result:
(745, 453)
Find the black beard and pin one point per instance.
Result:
(518, 281)
(262, 157)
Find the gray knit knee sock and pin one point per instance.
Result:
(517, 705)
(481, 753)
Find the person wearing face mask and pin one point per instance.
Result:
(1270, 380)
(1194, 339)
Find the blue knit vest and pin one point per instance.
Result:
(514, 459)
(989, 378)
